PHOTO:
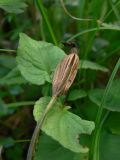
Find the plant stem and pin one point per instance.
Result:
(94, 152)
(70, 15)
(17, 104)
(116, 28)
(110, 11)
(22, 141)
(38, 127)
(7, 50)
(42, 11)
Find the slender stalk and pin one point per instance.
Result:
(94, 154)
(42, 11)
(37, 129)
(22, 141)
(107, 90)
(17, 104)
(42, 30)
(116, 28)
(7, 50)
(70, 15)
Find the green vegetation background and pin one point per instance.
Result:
(95, 27)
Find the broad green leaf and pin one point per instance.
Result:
(13, 77)
(49, 149)
(113, 99)
(13, 6)
(37, 59)
(63, 126)
(76, 94)
(89, 110)
(109, 147)
(92, 65)
(112, 123)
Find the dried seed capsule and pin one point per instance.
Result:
(65, 73)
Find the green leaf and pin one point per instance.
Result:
(112, 123)
(92, 65)
(37, 59)
(109, 147)
(63, 126)
(49, 149)
(13, 77)
(76, 94)
(113, 98)
(13, 6)
(89, 110)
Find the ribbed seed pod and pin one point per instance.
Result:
(65, 73)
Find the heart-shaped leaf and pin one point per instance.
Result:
(112, 123)
(62, 125)
(37, 59)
